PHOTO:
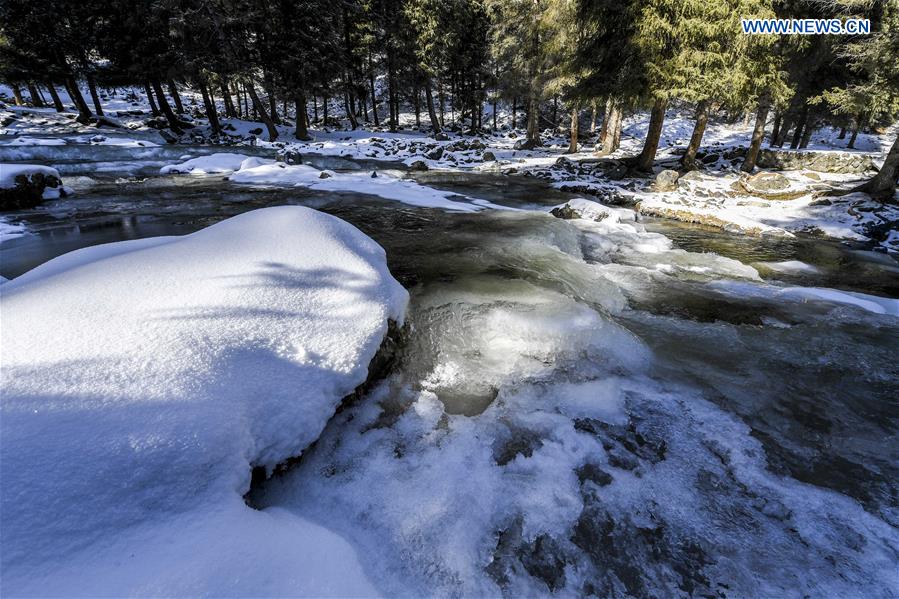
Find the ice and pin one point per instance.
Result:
(34, 141)
(141, 382)
(864, 301)
(10, 230)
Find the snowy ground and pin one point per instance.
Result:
(709, 199)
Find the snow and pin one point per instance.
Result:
(385, 184)
(34, 141)
(221, 162)
(9, 172)
(10, 230)
(142, 381)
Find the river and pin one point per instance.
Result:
(632, 409)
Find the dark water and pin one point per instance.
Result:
(816, 385)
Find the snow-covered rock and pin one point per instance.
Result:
(26, 185)
(581, 208)
(219, 163)
(143, 380)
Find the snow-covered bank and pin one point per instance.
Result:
(387, 184)
(143, 380)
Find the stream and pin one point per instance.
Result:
(617, 408)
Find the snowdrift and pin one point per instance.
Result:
(143, 380)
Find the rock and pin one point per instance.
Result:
(812, 175)
(488, 156)
(525, 144)
(691, 176)
(824, 162)
(28, 191)
(256, 131)
(821, 202)
(325, 175)
(7, 120)
(169, 138)
(418, 165)
(666, 181)
(581, 209)
(710, 158)
(436, 153)
(291, 157)
(767, 182)
(374, 174)
(441, 136)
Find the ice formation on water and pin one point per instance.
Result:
(529, 443)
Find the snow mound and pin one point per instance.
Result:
(219, 163)
(141, 382)
(9, 172)
(384, 184)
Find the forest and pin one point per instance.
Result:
(449, 298)
(269, 60)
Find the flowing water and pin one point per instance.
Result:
(617, 408)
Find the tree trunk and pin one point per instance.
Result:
(758, 134)
(604, 129)
(374, 97)
(348, 107)
(572, 144)
(776, 129)
(302, 130)
(314, 109)
(688, 160)
(801, 124)
(57, 102)
(229, 103)
(416, 101)
(92, 87)
(209, 106)
(610, 134)
(653, 134)
(514, 111)
(616, 129)
(170, 117)
(856, 126)
(555, 113)
(593, 118)
(259, 107)
(176, 97)
(17, 94)
(273, 104)
(324, 111)
(883, 185)
(432, 114)
(810, 127)
(533, 137)
(842, 134)
(36, 99)
(84, 113)
(154, 109)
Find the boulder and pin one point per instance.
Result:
(581, 209)
(418, 165)
(525, 144)
(666, 181)
(488, 156)
(436, 153)
(441, 136)
(24, 186)
(766, 182)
